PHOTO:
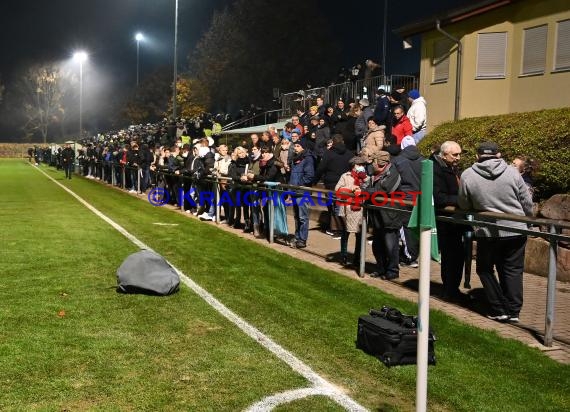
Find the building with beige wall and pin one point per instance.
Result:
(515, 57)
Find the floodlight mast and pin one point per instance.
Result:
(80, 57)
(138, 37)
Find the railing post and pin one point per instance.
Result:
(113, 176)
(271, 218)
(123, 181)
(139, 179)
(363, 242)
(217, 199)
(551, 289)
(181, 192)
(468, 257)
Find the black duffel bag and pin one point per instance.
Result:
(392, 337)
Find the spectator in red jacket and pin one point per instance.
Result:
(401, 126)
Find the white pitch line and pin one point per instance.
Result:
(320, 384)
(273, 401)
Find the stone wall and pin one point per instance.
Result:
(537, 250)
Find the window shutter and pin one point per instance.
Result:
(534, 50)
(491, 55)
(562, 56)
(441, 60)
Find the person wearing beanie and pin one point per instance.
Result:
(491, 185)
(417, 113)
(382, 111)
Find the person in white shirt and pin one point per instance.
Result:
(417, 113)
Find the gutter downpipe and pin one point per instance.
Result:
(458, 74)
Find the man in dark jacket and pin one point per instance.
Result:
(386, 223)
(382, 111)
(409, 165)
(334, 163)
(449, 235)
(67, 160)
(268, 172)
(302, 174)
(134, 161)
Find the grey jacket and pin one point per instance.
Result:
(493, 186)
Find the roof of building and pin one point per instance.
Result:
(451, 16)
(256, 129)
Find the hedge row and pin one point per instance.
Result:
(543, 136)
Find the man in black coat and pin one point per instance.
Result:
(386, 223)
(449, 235)
(67, 160)
(409, 165)
(334, 163)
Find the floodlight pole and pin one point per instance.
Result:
(138, 47)
(175, 60)
(80, 97)
(384, 42)
(138, 37)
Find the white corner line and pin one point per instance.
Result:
(321, 385)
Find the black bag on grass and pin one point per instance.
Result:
(391, 337)
(148, 273)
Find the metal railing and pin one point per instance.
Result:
(552, 234)
(303, 99)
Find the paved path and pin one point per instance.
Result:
(530, 330)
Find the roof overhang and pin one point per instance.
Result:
(451, 16)
(256, 129)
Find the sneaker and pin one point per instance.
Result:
(299, 244)
(499, 318)
(513, 319)
(205, 216)
(336, 236)
(409, 263)
(328, 232)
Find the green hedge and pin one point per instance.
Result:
(543, 136)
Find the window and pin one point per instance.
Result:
(534, 50)
(562, 52)
(491, 55)
(440, 61)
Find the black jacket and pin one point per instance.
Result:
(409, 165)
(269, 172)
(347, 130)
(445, 183)
(387, 182)
(333, 164)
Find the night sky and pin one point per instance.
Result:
(40, 29)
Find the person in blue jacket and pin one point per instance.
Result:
(302, 174)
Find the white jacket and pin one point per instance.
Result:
(417, 113)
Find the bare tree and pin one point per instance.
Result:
(40, 89)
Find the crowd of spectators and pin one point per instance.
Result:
(353, 146)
